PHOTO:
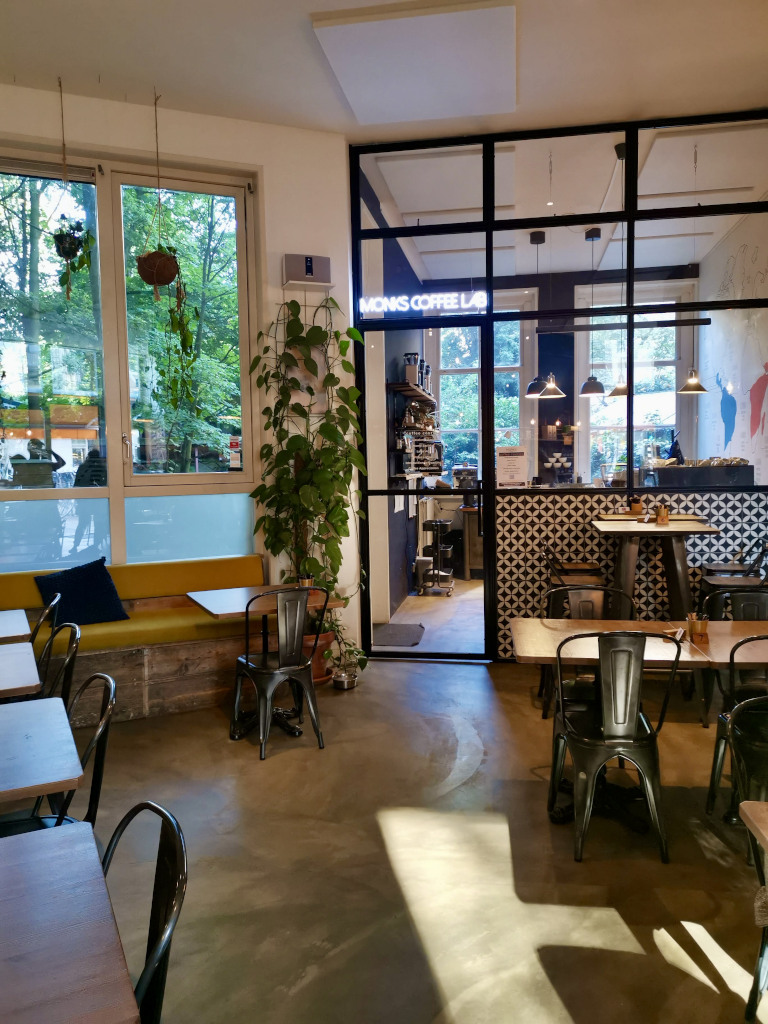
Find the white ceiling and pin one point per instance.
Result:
(576, 61)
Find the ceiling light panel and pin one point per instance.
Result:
(398, 63)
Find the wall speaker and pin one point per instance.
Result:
(298, 269)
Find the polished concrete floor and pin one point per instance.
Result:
(408, 873)
(451, 624)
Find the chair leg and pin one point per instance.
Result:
(559, 748)
(265, 720)
(652, 788)
(309, 692)
(546, 688)
(583, 798)
(721, 744)
(298, 699)
(761, 978)
(235, 731)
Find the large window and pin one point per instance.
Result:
(120, 391)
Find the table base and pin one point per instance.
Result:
(249, 720)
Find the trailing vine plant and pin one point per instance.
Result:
(308, 465)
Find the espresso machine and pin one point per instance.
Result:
(465, 479)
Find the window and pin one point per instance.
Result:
(459, 396)
(102, 391)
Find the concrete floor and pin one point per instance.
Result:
(451, 624)
(408, 873)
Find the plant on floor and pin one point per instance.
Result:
(307, 496)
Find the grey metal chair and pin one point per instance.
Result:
(741, 686)
(167, 898)
(19, 822)
(61, 680)
(748, 740)
(616, 726)
(750, 577)
(48, 614)
(582, 602)
(268, 669)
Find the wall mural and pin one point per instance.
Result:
(733, 415)
(526, 521)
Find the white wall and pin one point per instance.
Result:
(733, 349)
(303, 184)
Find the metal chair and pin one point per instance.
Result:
(167, 898)
(749, 604)
(48, 613)
(750, 577)
(622, 730)
(17, 822)
(753, 684)
(582, 602)
(739, 564)
(62, 679)
(748, 740)
(569, 567)
(267, 669)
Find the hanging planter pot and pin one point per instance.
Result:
(157, 268)
(73, 244)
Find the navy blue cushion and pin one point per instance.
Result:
(87, 594)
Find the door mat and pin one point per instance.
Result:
(397, 634)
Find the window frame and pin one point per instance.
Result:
(106, 174)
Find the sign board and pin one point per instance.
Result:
(511, 467)
(428, 302)
(235, 452)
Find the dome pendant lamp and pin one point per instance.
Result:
(539, 383)
(592, 386)
(551, 390)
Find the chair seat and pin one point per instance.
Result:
(724, 568)
(585, 728)
(269, 662)
(729, 582)
(577, 567)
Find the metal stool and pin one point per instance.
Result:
(438, 576)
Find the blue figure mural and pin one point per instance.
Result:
(727, 411)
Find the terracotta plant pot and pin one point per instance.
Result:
(157, 268)
(322, 668)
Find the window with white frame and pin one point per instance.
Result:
(139, 395)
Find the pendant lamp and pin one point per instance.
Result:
(693, 385)
(551, 390)
(592, 386)
(539, 383)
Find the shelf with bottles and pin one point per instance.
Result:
(404, 387)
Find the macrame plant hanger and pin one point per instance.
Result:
(159, 266)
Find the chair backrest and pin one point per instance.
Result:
(749, 605)
(748, 739)
(620, 656)
(553, 563)
(97, 743)
(63, 677)
(291, 622)
(753, 681)
(592, 602)
(753, 569)
(167, 898)
(49, 612)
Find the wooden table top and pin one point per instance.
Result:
(60, 952)
(629, 527)
(37, 750)
(14, 626)
(722, 637)
(18, 670)
(754, 814)
(536, 640)
(230, 603)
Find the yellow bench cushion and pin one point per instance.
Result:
(148, 626)
(148, 579)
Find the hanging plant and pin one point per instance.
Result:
(159, 266)
(73, 244)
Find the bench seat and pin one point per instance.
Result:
(170, 654)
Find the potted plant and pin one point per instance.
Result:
(347, 659)
(306, 496)
(73, 243)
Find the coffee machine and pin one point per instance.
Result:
(465, 479)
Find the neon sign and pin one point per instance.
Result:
(423, 303)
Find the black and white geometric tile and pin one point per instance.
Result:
(524, 522)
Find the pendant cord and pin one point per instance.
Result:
(157, 164)
(65, 175)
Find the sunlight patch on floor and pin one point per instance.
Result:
(482, 942)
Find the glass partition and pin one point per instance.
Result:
(443, 185)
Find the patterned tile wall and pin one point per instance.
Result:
(525, 521)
